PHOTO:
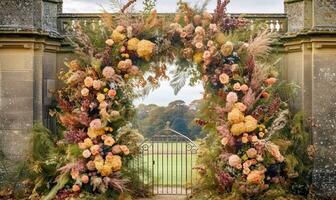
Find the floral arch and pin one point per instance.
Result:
(254, 147)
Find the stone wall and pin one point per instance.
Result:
(310, 46)
(29, 43)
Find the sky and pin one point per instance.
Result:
(236, 6)
(165, 94)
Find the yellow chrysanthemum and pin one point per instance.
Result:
(235, 116)
(145, 49)
(99, 163)
(238, 129)
(106, 170)
(132, 44)
(93, 133)
(117, 37)
(250, 123)
(115, 162)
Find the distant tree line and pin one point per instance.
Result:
(150, 119)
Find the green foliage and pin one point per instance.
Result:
(151, 119)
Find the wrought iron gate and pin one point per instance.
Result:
(166, 163)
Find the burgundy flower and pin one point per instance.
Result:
(74, 136)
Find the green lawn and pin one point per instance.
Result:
(167, 164)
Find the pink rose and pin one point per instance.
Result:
(85, 92)
(232, 97)
(85, 179)
(199, 30)
(108, 72)
(96, 124)
(213, 27)
(109, 42)
(235, 161)
(88, 81)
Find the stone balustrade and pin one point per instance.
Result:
(275, 22)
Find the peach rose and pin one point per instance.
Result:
(124, 149)
(109, 42)
(244, 88)
(245, 139)
(122, 65)
(109, 141)
(90, 165)
(232, 97)
(206, 55)
(86, 153)
(254, 138)
(199, 45)
(200, 30)
(274, 151)
(224, 78)
(108, 72)
(256, 177)
(95, 150)
(120, 29)
(270, 81)
(240, 106)
(224, 141)
(97, 84)
(85, 92)
(134, 70)
(236, 86)
(88, 81)
(96, 124)
(116, 149)
(76, 188)
(235, 161)
(251, 153)
(100, 97)
(227, 49)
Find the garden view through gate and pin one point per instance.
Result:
(165, 163)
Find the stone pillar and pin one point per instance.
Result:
(311, 63)
(29, 42)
